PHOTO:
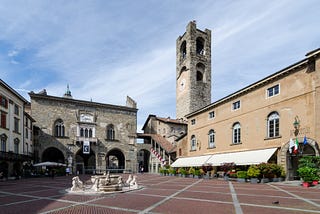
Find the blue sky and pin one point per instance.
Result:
(106, 50)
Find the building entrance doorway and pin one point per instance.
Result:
(85, 163)
(293, 160)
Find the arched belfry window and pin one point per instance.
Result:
(110, 132)
(236, 133)
(273, 125)
(200, 71)
(183, 49)
(200, 45)
(59, 128)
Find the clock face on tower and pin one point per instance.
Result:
(182, 84)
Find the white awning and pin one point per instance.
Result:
(191, 161)
(242, 158)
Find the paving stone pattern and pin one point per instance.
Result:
(160, 194)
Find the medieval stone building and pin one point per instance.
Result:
(87, 136)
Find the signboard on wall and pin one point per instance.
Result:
(86, 147)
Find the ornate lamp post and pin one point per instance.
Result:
(296, 125)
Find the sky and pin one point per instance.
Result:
(108, 50)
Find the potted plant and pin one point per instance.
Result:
(192, 171)
(241, 176)
(253, 173)
(183, 172)
(265, 172)
(196, 173)
(202, 172)
(307, 174)
(172, 171)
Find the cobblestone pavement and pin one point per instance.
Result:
(160, 194)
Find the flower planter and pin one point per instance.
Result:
(254, 180)
(305, 184)
(241, 180)
(315, 183)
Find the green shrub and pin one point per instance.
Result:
(308, 174)
(242, 174)
(253, 171)
(192, 171)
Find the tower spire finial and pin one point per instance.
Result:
(68, 92)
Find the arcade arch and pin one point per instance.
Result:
(115, 160)
(53, 154)
(290, 161)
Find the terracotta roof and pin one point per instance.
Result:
(165, 120)
(166, 145)
(169, 120)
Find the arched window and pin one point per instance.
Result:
(273, 125)
(16, 146)
(59, 128)
(211, 139)
(200, 71)
(110, 132)
(86, 132)
(200, 45)
(193, 142)
(3, 140)
(183, 49)
(236, 138)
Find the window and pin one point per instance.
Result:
(200, 72)
(4, 102)
(27, 133)
(3, 120)
(193, 143)
(273, 125)
(236, 133)
(183, 49)
(16, 125)
(211, 114)
(236, 105)
(193, 121)
(16, 109)
(86, 132)
(211, 138)
(3, 140)
(200, 46)
(110, 132)
(59, 128)
(16, 146)
(273, 91)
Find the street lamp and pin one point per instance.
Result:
(296, 125)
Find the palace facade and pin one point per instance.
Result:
(88, 137)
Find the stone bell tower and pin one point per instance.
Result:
(193, 70)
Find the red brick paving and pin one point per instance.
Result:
(160, 194)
